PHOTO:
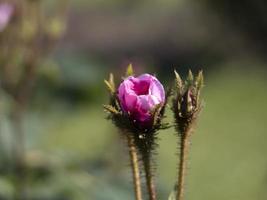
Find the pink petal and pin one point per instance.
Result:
(140, 95)
(130, 101)
(156, 89)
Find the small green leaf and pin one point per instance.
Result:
(110, 84)
(190, 76)
(199, 80)
(199, 85)
(179, 81)
(129, 71)
(111, 109)
(155, 113)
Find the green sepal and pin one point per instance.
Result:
(190, 76)
(199, 80)
(110, 84)
(110, 109)
(155, 112)
(178, 80)
(190, 79)
(199, 85)
(129, 71)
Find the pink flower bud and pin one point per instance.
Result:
(6, 11)
(139, 96)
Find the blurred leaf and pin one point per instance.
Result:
(50, 70)
(55, 27)
(178, 79)
(129, 71)
(6, 188)
(155, 112)
(190, 77)
(110, 109)
(172, 195)
(110, 85)
(200, 80)
(111, 82)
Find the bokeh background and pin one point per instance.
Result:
(71, 152)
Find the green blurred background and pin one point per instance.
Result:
(74, 153)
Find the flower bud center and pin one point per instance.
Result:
(141, 88)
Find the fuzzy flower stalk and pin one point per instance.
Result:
(186, 107)
(137, 108)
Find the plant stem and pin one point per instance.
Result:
(22, 97)
(184, 149)
(149, 178)
(135, 168)
(19, 155)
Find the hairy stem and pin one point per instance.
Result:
(184, 149)
(135, 168)
(149, 178)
